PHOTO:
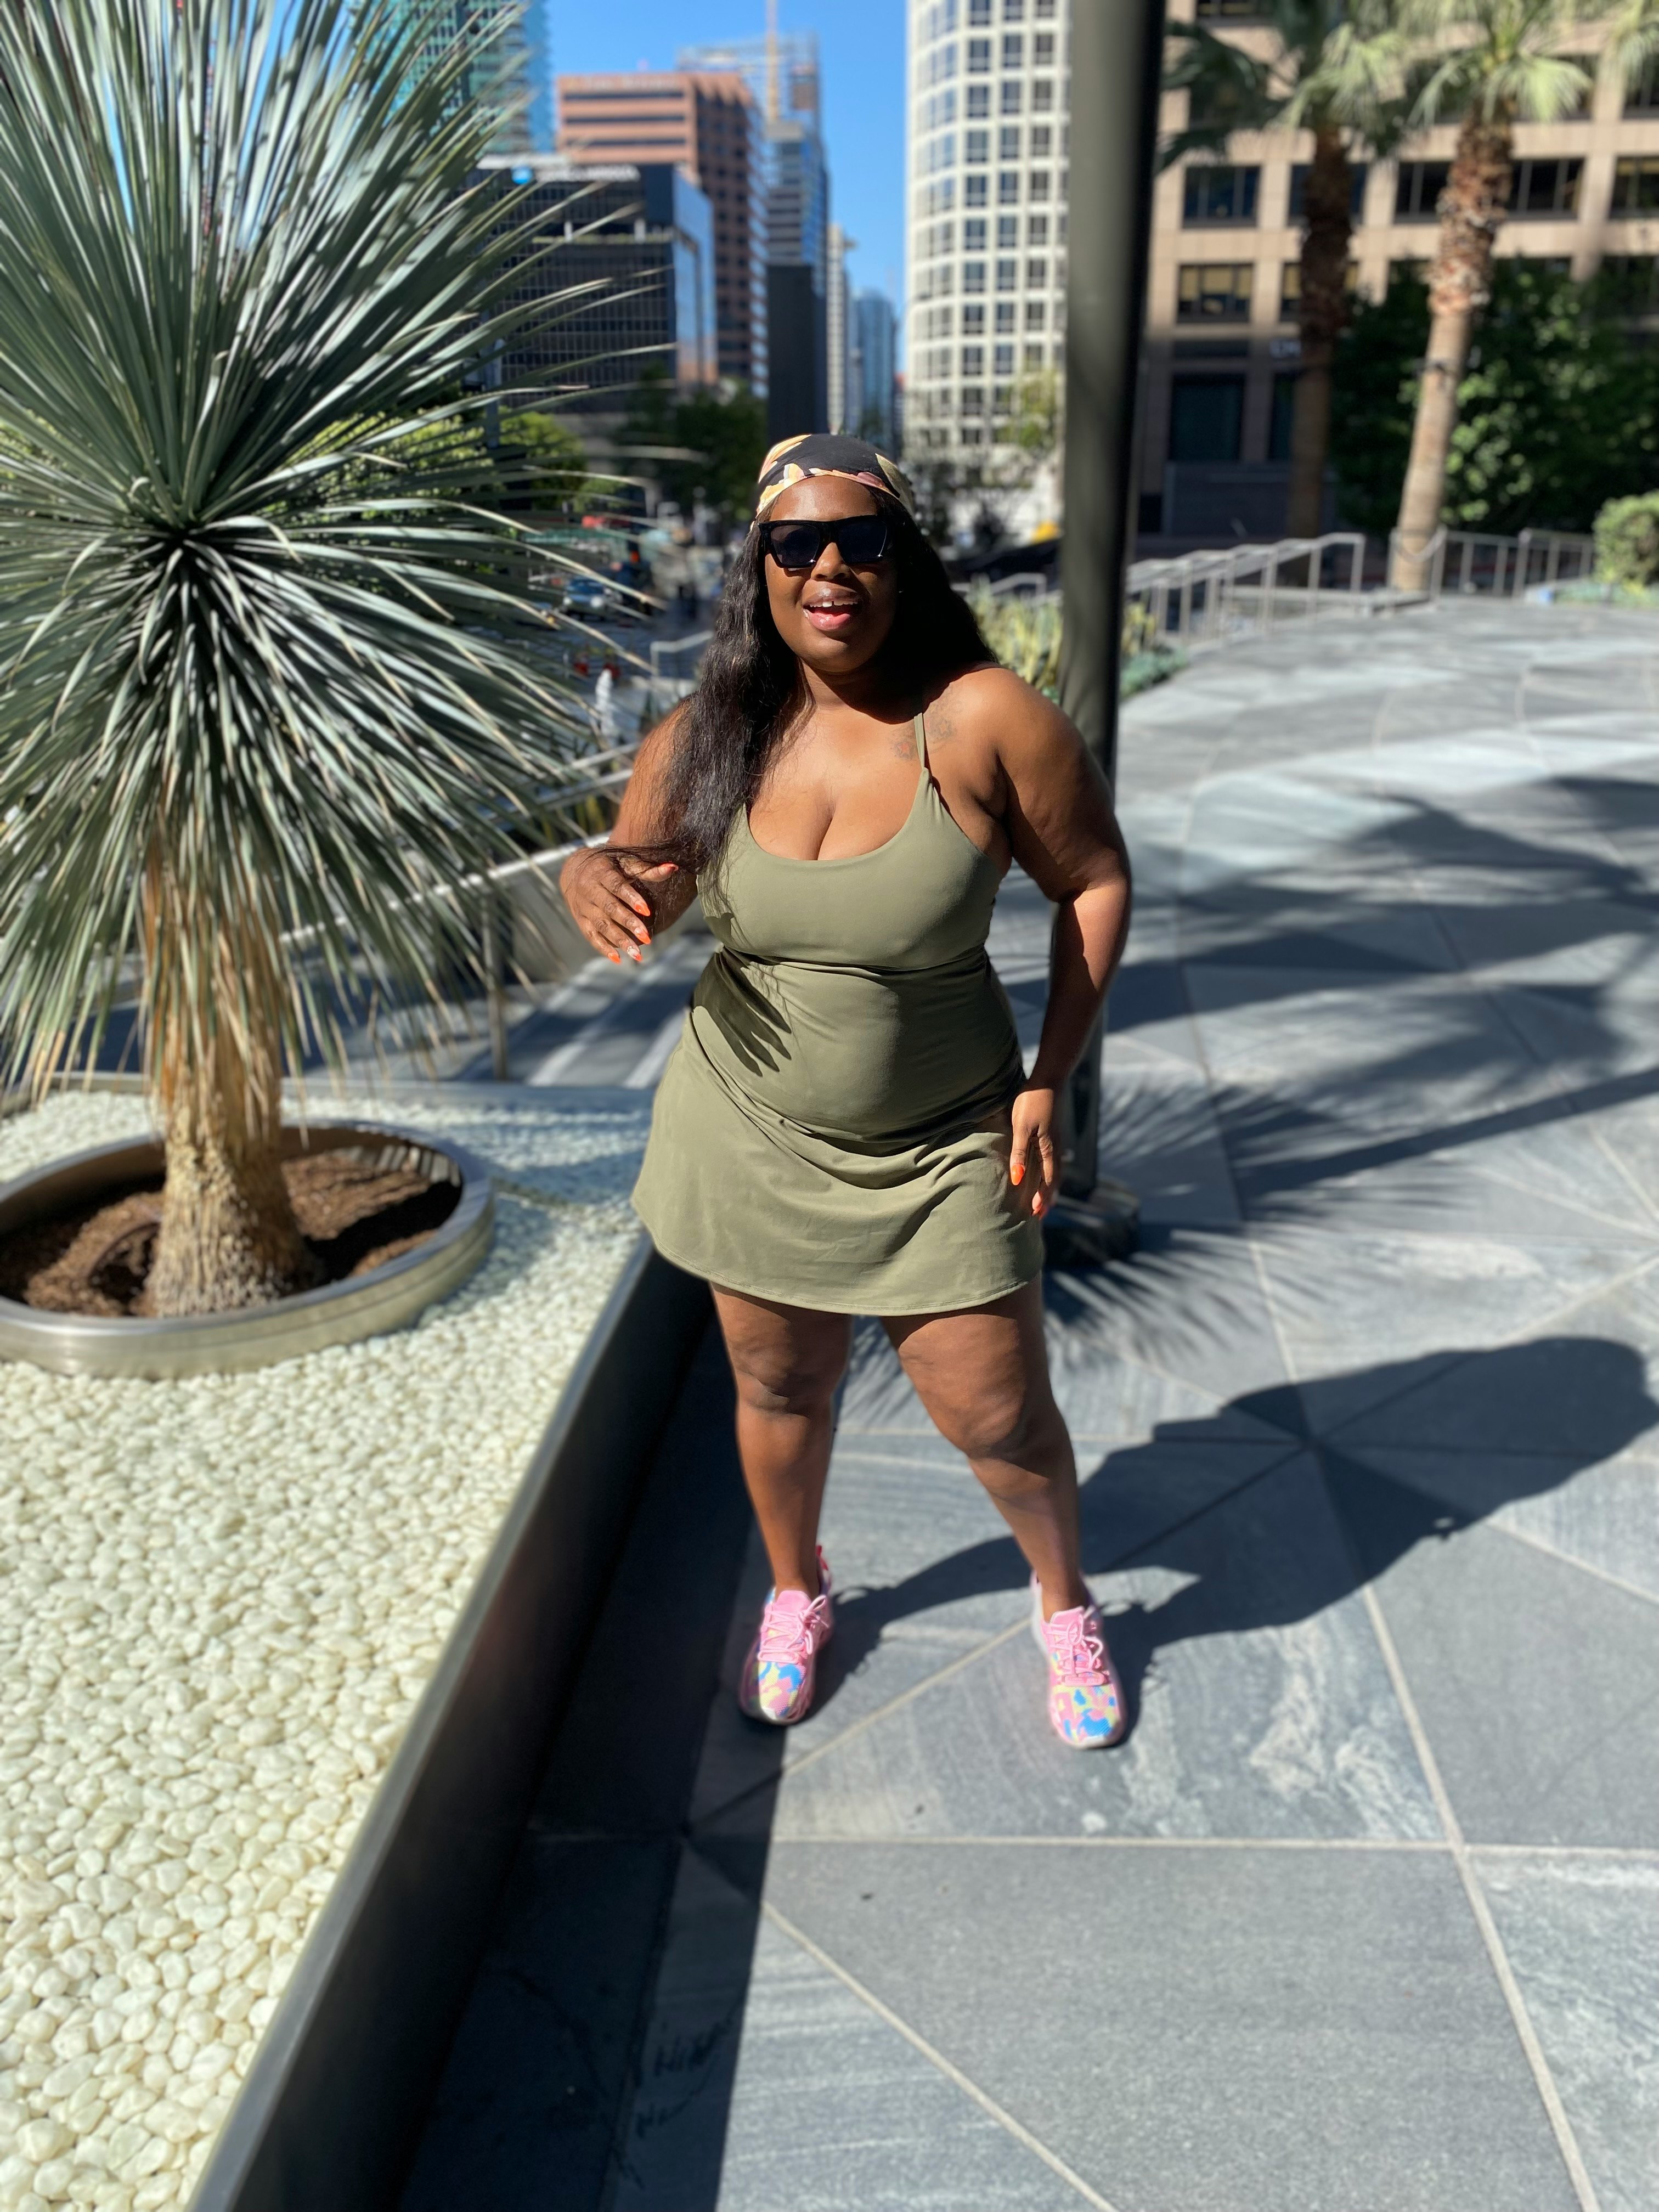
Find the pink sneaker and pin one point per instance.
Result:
(778, 1679)
(1087, 1706)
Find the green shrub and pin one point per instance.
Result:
(1627, 543)
(1024, 635)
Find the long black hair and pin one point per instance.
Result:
(750, 689)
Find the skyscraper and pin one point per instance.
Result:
(871, 376)
(987, 213)
(642, 236)
(704, 122)
(782, 74)
(842, 406)
(512, 74)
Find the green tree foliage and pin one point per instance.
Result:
(710, 443)
(1558, 412)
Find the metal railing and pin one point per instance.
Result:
(1197, 600)
(1201, 600)
(1478, 564)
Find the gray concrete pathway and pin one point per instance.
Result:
(1364, 1917)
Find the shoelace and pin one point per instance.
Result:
(1081, 1657)
(786, 1634)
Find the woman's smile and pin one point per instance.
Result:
(829, 610)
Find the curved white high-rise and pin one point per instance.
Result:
(987, 155)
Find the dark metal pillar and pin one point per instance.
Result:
(1117, 62)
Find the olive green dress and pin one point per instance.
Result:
(832, 1128)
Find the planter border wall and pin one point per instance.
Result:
(341, 2080)
(388, 1298)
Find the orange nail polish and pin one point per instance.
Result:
(1017, 1172)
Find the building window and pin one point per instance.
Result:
(1407, 272)
(1013, 52)
(973, 399)
(1213, 292)
(1007, 276)
(1037, 230)
(1005, 314)
(1642, 97)
(1008, 188)
(1546, 188)
(1037, 276)
(1042, 96)
(1290, 287)
(1033, 356)
(1219, 192)
(1036, 185)
(1042, 142)
(1035, 313)
(973, 361)
(979, 57)
(1004, 360)
(1629, 284)
(1417, 188)
(1297, 210)
(1044, 11)
(1008, 142)
(978, 11)
(976, 146)
(1042, 50)
(1007, 231)
(1635, 185)
(1013, 11)
(1206, 416)
(972, 233)
(973, 317)
(973, 191)
(1011, 91)
(979, 101)
(973, 275)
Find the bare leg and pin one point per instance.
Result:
(983, 1377)
(786, 1361)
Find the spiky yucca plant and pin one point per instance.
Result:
(265, 697)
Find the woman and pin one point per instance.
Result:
(844, 1126)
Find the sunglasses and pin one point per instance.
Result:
(862, 539)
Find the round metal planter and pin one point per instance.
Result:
(221, 1343)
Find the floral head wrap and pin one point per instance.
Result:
(826, 453)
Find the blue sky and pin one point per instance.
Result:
(861, 50)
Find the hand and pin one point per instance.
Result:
(1034, 1124)
(603, 890)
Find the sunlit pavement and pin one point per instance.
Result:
(1362, 1919)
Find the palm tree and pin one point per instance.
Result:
(265, 696)
(1500, 63)
(1334, 67)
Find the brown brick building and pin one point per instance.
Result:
(706, 124)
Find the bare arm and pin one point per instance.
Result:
(1058, 814)
(617, 902)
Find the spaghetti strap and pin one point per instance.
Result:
(922, 742)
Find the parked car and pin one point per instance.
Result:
(586, 597)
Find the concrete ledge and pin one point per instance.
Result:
(342, 2078)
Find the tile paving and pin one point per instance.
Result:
(1364, 1917)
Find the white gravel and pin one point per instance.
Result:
(219, 1602)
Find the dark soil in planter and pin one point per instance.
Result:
(354, 1214)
